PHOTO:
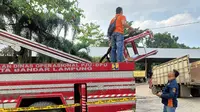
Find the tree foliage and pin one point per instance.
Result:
(126, 32)
(7, 51)
(96, 59)
(43, 21)
(104, 43)
(67, 8)
(164, 40)
(90, 34)
(80, 50)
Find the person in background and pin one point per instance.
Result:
(117, 38)
(150, 74)
(170, 93)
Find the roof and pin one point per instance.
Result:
(162, 52)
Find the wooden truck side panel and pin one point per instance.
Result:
(181, 64)
(195, 72)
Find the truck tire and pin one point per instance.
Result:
(154, 90)
(195, 92)
(45, 103)
(144, 79)
(137, 80)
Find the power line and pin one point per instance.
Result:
(177, 25)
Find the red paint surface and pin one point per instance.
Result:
(142, 35)
(68, 94)
(146, 55)
(112, 91)
(65, 81)
(134, 47)
(111, 107)
(62, 67)
(108, 108)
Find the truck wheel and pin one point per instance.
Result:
(195, 92)
(154, 90)
(144, 79)
(136, 80)
(43, 104)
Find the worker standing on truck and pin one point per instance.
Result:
(170, 93)
(117, 24)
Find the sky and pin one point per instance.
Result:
(149, 14)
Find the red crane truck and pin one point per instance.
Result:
(77, 81)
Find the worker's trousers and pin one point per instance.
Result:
(117, 44)
(169, 109)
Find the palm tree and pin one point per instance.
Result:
(2, 23)
(67, 46)
(7, 51)
(81, 50)
(43, 29)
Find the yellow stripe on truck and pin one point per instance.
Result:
(66, 106)
(138, 74)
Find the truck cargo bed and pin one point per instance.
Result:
(160, 72)
(189, 72)
(195, 72)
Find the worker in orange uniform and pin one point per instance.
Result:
(170, 93)
(117, 37)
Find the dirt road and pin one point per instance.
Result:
(147, 102)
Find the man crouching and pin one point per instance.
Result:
(170, 93)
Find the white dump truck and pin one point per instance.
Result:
(189, 78)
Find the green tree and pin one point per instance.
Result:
(126, 32)
(104, 43)
(66, 10)
(164, 40)
(90, 34)
(96, 59)
(195, 47)
(80, 50)
(43, 28)
(7, 51)
(41, 21)
(2, 23)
